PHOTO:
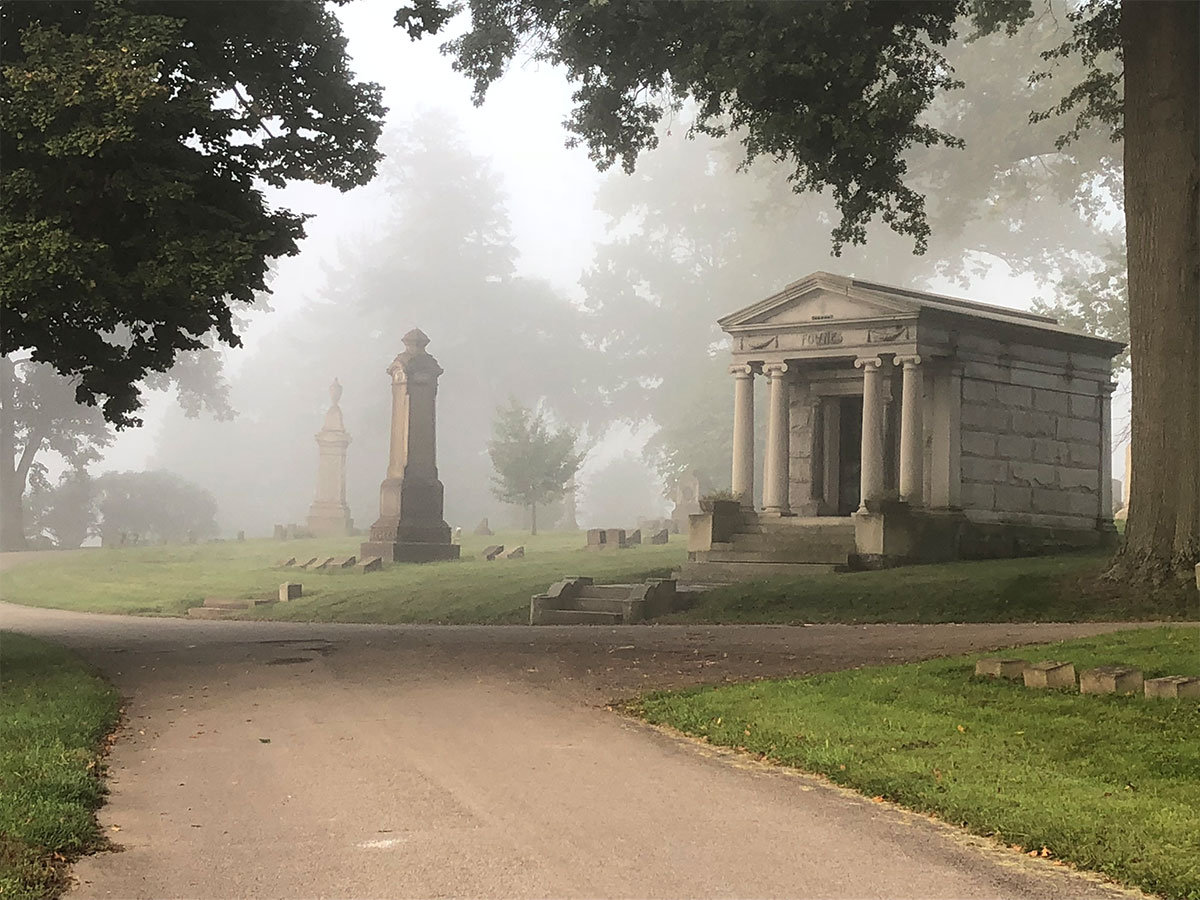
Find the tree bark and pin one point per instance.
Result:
(1160, 41)
(12, 489)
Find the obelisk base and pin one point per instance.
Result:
(400, 552)
(330, 520)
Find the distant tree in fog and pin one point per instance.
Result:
(533, 462)
(619, 492)
(153, 506)
(65, 513)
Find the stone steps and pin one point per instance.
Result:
(828, 556)
(579, 617)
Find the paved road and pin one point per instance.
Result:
(291, 760)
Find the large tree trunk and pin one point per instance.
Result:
(1161, 44)
(533, 518)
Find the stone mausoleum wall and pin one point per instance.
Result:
(1031, 434)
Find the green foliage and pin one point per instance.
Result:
(1095, 301)
(135, 138)
(1036, 769)
(152, 507)
(64, 513)
(533, 463)
(56, 715)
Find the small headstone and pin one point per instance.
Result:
(1048, 674)
(517, 553)
(342, 562)
(371, 564)
(290, 561)
(309, 564)
(1111, 680)
(634, 537)
(614, 537)
(325, 563)
(490, 553)
(1173, 687)
(995, 667)
(482, 528)
(595, 537)
(280, 533)
(289, 590)
(241, 535)
(660, 537)
(458, 535)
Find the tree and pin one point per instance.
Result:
(136, 139)
(38, 413)
(620, 492)
(840, 91)
(533, 463)
(64, 513)
(153, 506)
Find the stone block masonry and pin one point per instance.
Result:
(996, 667)
(1049, 674)
(1113, 679)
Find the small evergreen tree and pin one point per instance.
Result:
(533, 464)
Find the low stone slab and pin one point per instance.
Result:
(341, 562)
(325, 562)
(284, 563)
(235, 602)
(660, 537)
(290, 590)
(997, 667)
(1173, 687)
(1115, 679)
(1049, 674)
(208, 612)
(491, 552)
(634, 537)
(516, 553)
(309, 564)
(371, 564)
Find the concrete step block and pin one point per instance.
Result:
(1050, 674)
(1172, 687)
(996, 667)
(579, 617)
(1115, 679)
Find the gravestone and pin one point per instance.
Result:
(329, 516)
(342, 562)
(290, 561)
(516, 553)
(411, 527)
(308, 564)
(490, 553)
(995, 667)
(634, 537)
(280, 533)
(1172, 687)
(614, 537)
(482, 528)
(371, 564)
(660, 537)
(595, 538)
(289, 590)
(325, 562)
(1111, 680)
(241, 536)
(458, 535)
(1049, 674)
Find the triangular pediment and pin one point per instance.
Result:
(820, 297)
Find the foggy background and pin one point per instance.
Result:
(592, 296)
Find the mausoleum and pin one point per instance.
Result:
(904, 426)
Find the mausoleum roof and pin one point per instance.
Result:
(823, 297)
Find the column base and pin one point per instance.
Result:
(775, 513)
(891, 533)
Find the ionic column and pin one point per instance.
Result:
(1104, 516)
(743, 434)
(912, 432)
(775, 468)
(871, 481)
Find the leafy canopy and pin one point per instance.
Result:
(136, 140)
(533, 463)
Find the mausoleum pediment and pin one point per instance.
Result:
(816, 299)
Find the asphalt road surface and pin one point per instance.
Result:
(291, 760)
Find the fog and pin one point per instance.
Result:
(591, 296)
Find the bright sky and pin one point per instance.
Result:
(550, 189)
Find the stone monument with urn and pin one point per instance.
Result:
(329, 516)
(410, 527)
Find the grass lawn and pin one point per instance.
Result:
(168, 580)
(56, 715)
(1106, 783)
(1038, 589)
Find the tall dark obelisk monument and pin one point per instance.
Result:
(410, 527)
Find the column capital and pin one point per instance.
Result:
(1107, 388)
(774, 370)
(907, 361)
(865, 362)
(742, 371)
